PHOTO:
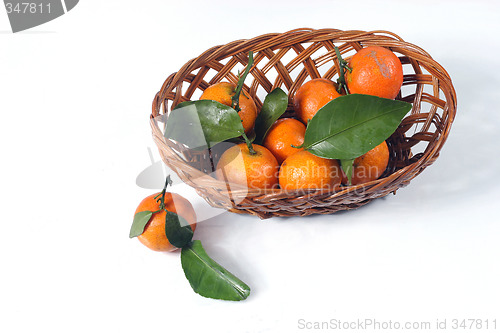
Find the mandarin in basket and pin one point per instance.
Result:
(282, 135)
(312, 96)
(154, 236)
(222, 92)
(375, 70)
(304, 170)
(371, 165)
(257, 169)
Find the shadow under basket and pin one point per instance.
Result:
(287, 60)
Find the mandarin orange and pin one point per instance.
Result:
(376, 71)
(154, 236)
(304, 170)
(312, 96)
(257, 171)
(222, 92)
(282, 135)
(371, 165)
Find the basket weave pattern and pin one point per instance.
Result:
(287, 60)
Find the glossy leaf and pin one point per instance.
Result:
(208, 278)
(202, 124)
(179, 232)
(274, 106)
(348, 167)
(139, 223)
(351, 125)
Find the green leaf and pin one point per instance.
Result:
(351, 125)
(208, 278)
(140, 221)
(202, 124)
(347, 166)
(274, 106)
(179, 232)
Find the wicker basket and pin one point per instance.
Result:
(287, 60)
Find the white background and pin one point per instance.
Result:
(75, 97)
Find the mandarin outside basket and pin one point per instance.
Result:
(287, 60)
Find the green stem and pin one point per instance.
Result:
(168, 182)
(236, 97)
(343, 66)
(249, 144)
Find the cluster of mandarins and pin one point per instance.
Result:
(277, 162)
(373, 70)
